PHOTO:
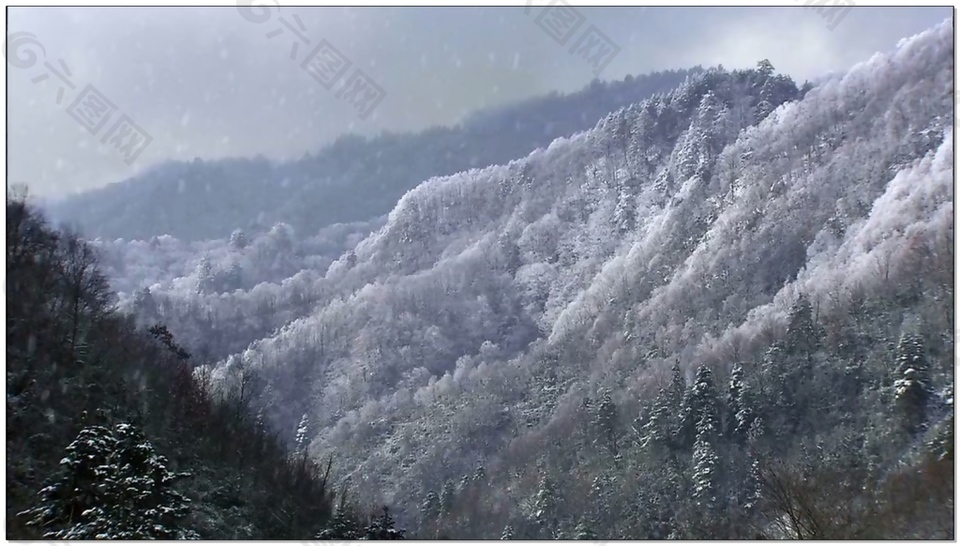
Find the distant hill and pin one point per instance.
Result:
(353, 179)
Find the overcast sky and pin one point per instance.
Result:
(209, 83)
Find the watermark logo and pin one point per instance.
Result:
(91, 108)
(297, 31)
(325, 64)
(362, 93)
(561, 22)
(832, 11)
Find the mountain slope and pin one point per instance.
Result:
(478, 324)
(639, 326)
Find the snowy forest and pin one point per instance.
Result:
(697, 304)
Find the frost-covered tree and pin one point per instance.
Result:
(584, 531)
(447, 496)
(204, 275)
(238, 239)
(699, 406)
(112, 485)
(480, 475)
(507, 533)
(750, 489)
(740, 410)
(657, 431)
(607, 419)
(706, 463)
(803, 334)
(755, 432)
(545, 504)
(302, 438)
(911, 388)
(601, 496)
(383, 527)
(677, 388)
(430, 507)
(342, 526)
(145, 306)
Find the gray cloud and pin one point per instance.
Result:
(205, 82)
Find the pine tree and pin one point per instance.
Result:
(238, 239)
(756, 432)
(145, 305)
(600, 496)
(447, 495)
(700, 402)
(705, 464)
(507, 533)
(204, 275)
(430, 507)
(545, 504)
(740, 412)
(343, 525)
(942, 443)
(803, 334)
(383, 527)
(655, 433)
(911, 389)
(112, 485)
(301, 439)
(607, 421)
(480, 475)
(584, 531)
(233, 277)
(752, 487)
(677, 388)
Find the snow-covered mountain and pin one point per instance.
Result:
(497, 311)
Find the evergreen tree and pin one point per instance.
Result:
(430, 507)
(112, 485)
(655, 433)
(480, 475)
(584, 531)
(383, 527)
(343, 525)
(740, 412)
(507, 533)
(447, 495)
(600, 496)
(232, 279)
(755, 432)
(765, 69)
(238, 239)
(699, 404)
(145, 306)
(803, 334)
(607, 421)
(301, 439)
(205, 279)
(545, 504)
(752, 488)
(911, 389)
(705, 463)
(677, 388)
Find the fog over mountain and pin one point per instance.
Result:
(208, 83)
(705, 300)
